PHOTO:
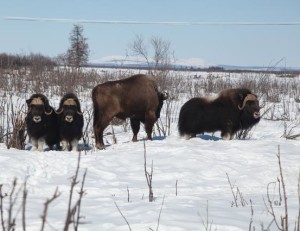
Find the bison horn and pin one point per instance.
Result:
(247, 98)
(49, 113)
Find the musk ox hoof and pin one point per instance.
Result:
(33, 149)
(227, 137)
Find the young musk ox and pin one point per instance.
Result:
(232, 110)
(41, 123)
(136, 97)
(71, 122)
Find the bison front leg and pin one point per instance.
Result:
(135, 125)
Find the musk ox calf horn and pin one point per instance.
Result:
(59, 112)
(249, 97)
(49, 113)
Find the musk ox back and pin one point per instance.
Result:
(41, 123)
(71, 122)
(136, 97)
(232, 110)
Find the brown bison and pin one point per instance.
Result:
(136, 97)
(41, 123)
(232, 110)
(70, 119)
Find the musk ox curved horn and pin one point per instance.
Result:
(80, 113)
(49, 113)
(59, 112)
(249, 97)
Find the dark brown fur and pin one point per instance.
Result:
(71, 122)
(136, 97)
(224, 113)
(46, 130)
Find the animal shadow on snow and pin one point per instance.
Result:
(209, 137)
(81, 147)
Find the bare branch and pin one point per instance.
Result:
(46, 205)
(122, 215)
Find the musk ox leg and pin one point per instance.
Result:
(135, 125)
(34, 143)
(227, 136)
(37, 144)
(74, 145)
(189, 136)
(150, 119)
(64, 145)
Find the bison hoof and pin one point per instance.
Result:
(100, 146)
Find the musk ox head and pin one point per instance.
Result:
(38, 107)
(69, 107)
(250, 106)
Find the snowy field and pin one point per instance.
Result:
(193, 182)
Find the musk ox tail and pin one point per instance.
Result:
(161, 98)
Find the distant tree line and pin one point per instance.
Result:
(76, 56)
(23, 61)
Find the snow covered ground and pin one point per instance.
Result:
(191, 182)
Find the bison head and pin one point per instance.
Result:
(68, 109)
(250, 106)
(38, 107)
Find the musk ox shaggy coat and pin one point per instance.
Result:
(136, 97)
(71, 122)
(41, 123)
(232, 110)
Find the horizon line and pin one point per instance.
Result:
(174, 23)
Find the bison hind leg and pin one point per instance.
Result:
(150, 120)
(135, 125)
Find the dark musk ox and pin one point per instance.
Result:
(136, 97)
(71, 122)
(41, 123)
(232, 110)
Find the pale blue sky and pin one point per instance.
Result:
(226, 44)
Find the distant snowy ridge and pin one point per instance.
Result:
(190, 63)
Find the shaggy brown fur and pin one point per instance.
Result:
(136, 97)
